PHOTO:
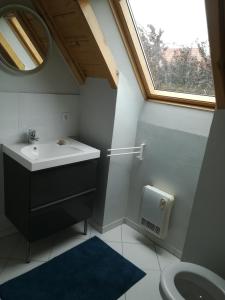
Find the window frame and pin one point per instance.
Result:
(131, 41)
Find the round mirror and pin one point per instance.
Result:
(25, 40)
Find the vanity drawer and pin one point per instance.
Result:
(50, 219)
(57, 183)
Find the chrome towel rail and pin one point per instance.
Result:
(139, 156)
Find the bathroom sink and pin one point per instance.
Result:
(46, 151)
(50, 154)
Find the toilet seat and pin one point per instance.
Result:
(167, 280)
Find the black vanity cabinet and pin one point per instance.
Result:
(43, 202)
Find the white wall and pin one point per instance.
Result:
(189, 120)
(175, 140)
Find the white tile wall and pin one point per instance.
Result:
(9, 117)
(20, 111)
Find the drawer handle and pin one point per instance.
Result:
(62, 200)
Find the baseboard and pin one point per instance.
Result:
(168, 247)
(112, 225)
(95, 225)
(105, 228)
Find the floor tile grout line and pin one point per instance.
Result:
(122, 249)
(150, 243)
(110, 241)
(150, 270)
(125, 295)
(160, 269)
(121, 232)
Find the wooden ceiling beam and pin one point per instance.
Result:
(105, 52)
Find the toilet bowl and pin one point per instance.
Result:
(186, 281)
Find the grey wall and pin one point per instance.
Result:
(96, 120)
(205, 243)
(175, 143)
(129, 101)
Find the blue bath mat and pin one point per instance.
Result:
(90, 271)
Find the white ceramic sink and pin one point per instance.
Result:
(47, 155)
(46, 151)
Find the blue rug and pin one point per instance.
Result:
(90, 271)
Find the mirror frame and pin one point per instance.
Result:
(3, 62)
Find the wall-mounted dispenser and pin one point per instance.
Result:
(155, 211)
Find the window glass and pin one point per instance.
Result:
(174, 38)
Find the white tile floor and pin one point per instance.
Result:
(128, 242)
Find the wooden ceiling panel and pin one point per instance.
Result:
(81, 48)
(69, 24)
(94, 70)
(85, 57)
(76, 31)
(79, 42)
(59, 7)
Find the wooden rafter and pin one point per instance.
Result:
(100, 40)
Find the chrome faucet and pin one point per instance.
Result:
(32, 136)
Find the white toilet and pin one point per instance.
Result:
(186, 281)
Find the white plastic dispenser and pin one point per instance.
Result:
(156, 210)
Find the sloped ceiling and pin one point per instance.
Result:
(77, 33)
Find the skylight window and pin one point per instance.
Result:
(169, 43)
